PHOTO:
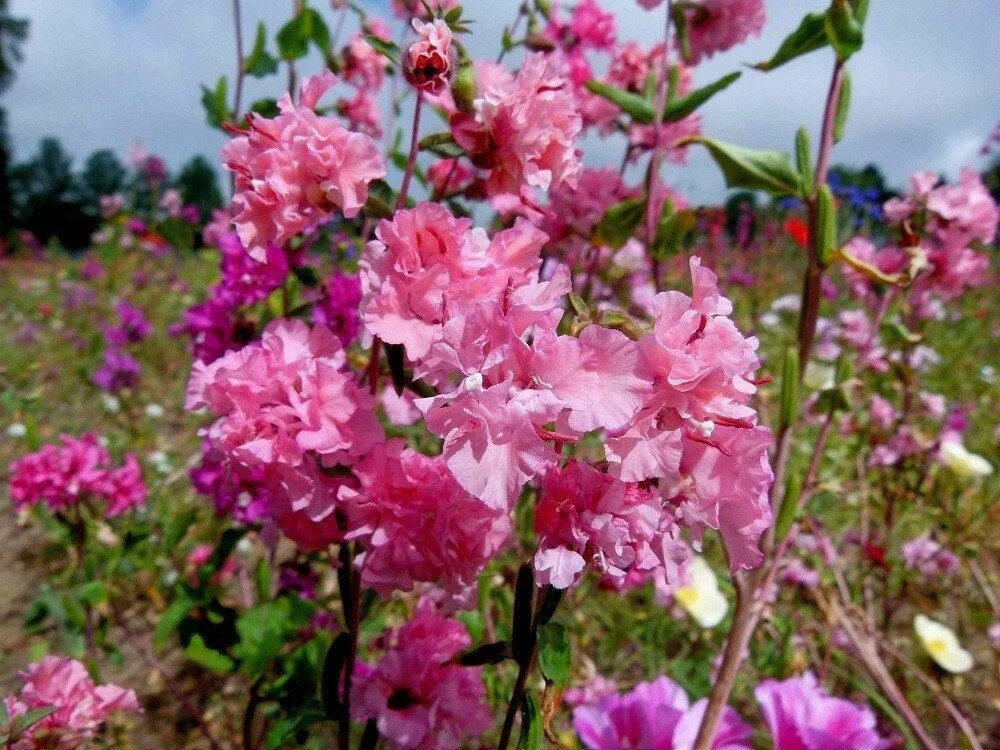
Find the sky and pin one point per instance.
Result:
(110, 73)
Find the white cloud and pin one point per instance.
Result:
(100, 74)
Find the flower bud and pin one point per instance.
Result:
(428, 63)
(465, 88)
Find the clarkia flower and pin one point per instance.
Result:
(428, 63)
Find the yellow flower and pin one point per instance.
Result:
(701, 596)
(942, 645)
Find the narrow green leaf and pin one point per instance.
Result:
(771, 171)
(550, 598)
(619, 223)
(827, 228)
(808, 37)
(169, 621)
(333, 669)
(843, 108)
(554, 655)
(531, 726)
(803, 157)
(522, 638)
(260, 62)
(488, 653)
(843, 30)
(790, 387)
(683, 106)
(214, 103)
(789, 507)
(30, 718)
(639, 108)
(211, 659)
(384, 48)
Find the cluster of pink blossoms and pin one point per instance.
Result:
(81, 707)
(78, 471)
(419, 700)
(293, 171)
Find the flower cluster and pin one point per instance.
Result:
(79, 470)
(81, 706)
(418, 698)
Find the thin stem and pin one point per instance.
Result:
(656, 158)
(516, 699)
(350, 599)
(411, 160)
(240, 60)
(248, 716)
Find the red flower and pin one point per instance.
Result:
(797, 230)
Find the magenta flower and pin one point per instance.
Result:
(81, 707)
(294, 171)
(248, 279)
(421, 701)
(337, 308)
(242, 497)
(133, 326)
(79, 470)
(120, 370)
(417, 524)
(524, 129)
(803, 716)
(654, 716)
(585, 516)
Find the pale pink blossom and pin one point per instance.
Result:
(418, 698)
(929, 558)
(294, 171)
(524, 129)
(81, 706)
(428, 63)
(717, 25)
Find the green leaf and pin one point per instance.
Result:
(265, 107)
(30, 718)
(204, 656)
(639, 108)
(307, 276)
(260, 62)
(554, 654)
(843, 108)
(333, 668)
(214, 103)
(789, 507)
(262, 579)
(619, 223)
(803, 157)
(843, 30)
(384, 48)
(227, 543)
(531, 726)
(319, 31)
(293, 37)
(790, 387)
(522, 637)
(681, 107)
(808, 37)
(488, 653)
(771, 171)
(170, 620)
(671, 230)
(827, 229)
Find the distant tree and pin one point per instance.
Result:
(48, 199)
(991, 177)
(737, 205)
(13, 32)
(198, 184)
(6, 199)
(103, 174)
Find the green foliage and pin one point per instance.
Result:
(554, 656)
(305, 28)
(619, 223)
(809, 36)
(771, 171)
(260, 63)
(198, 184)
(213, 101)
(679, 108)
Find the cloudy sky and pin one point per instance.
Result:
(108, 73)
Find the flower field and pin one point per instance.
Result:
(437, 432)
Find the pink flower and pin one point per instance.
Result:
(717, 25)
(250, 279)
(202, 554)
(524, 129)
(585, 516)
(428, 60)
(803, 716)
(418, 525)
(294, 171)
(425, 262)
(655, 716)
(364, 67)
(287, 406)
(337, 308)
(419, 700)
(447, 176)
(929, 558)
(592, 26)
(81, 707)
(362, 113)
(408, 9)
(77, 471)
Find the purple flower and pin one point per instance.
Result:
(803, 716)
(120, 370)
(132, 325)
(655, 716)
(246, 279)
(338, 307)
(929, 558)
(245, 500)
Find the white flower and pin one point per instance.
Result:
(701, 596)
(769, 320)
(942, 645)
(16, 430)
(819, 377)
(111, 403)
(787, 303)
(161, 462)
(154, 411)
(962, 461)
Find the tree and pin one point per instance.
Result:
(6, 199)
(103, 174)
(48, 199)
(198, 184)
(13, 32)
